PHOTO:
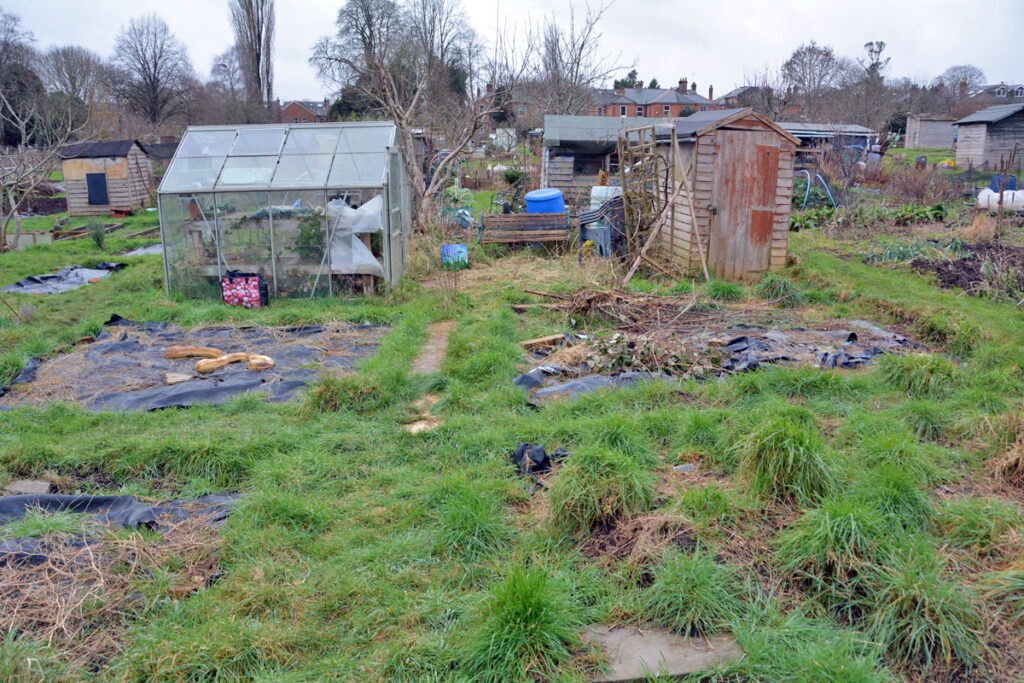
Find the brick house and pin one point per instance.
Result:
(652, 102)
(304, 111)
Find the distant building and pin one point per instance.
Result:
(107, 175)
(929, 131)
(1005, 92)
(304, 111)
(652, 102)
(989, 135)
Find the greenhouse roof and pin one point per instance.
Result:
(280, 157)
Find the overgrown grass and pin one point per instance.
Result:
(978, 524)
(38, 522)
(776, 288)
(921, 374)
(785, 458)
(692, 594)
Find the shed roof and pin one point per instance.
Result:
(992, 114)
(562, 131)
(705, 121)
(97, 149)
(824, 130)
(280, 157)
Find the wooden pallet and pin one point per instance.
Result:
(524, 227)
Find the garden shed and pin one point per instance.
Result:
(989, 136)
(314, 208)
(106, 176)
(735, 173)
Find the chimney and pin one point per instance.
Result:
(963, 88)
(711, 92)
(327, 103)
(620, 91)
(693, 87)
(682, 85)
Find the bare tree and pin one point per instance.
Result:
(253, 23)
(952, 77)
(24, 168)
(571, 62)
(155, 72)
(16, 41)
(811, 73)
(417, 62)
(766, 91)
(74, 71)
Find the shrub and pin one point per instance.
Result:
(978, 524)
(774, 287)
(726, 291)
(784, 458)
(511, 176)
(829, 547)
(97, 231)
(691, 594)
(918, 616)
(529, 627)
(920, 374)
(595, 486)
(473, 522)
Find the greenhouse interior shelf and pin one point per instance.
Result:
(316, 209)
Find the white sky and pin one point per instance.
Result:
(707, 41)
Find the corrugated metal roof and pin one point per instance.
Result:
(688, 125)
(97, 149)
(992, 114)
(824, 130)
(566, 130)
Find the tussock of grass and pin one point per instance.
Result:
(926, 418)
(920, 617)
(786, 459)
(1006, 590)
(692, 594)
(949, 331)
(358, 393)
(707, 506)
(595, 486)
(38, 522)
(726, 291)
(473, 522)
(529, 629)
(976, 523)
(806, 382)
(26, 659)
(774, 287)
(830, 546)
(920, 374)
(897, 494)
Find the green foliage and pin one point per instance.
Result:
(24, 660)
(511, 176)
(595, 486)
(774, 287)
(38, 522)
(810, 218)
(528, 630)
(956, 334)
(692, 594)
(896, 493)
(726, 291)
(360, 393)
(97, 231)
(921, 618)
(830, 546)
(926, 418)
(707, 506)
(473, 521)
(920, 374)
(786, 459)
(1006, 590)
(976, 523)
(309, 242)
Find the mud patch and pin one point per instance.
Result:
(990, 269)
(423, 417)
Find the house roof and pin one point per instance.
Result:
(648, 96)
(992, 114)
(98, 149)
(824, 130)
(312, 106)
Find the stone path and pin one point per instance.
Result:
(433, 351)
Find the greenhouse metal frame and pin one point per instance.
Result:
(307, 206)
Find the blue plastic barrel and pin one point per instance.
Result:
(548, 200)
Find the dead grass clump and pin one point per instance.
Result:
(639, 539)
(1010, 466)
(83, 596)
(569, 356)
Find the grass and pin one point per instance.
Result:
(38, 522)
(692, 594)
(363, 552)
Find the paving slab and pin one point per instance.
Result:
(27, 487)
(636, 655)
(433, 351)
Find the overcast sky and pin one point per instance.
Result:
(716, 41)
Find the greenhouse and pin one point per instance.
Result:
(315, 209)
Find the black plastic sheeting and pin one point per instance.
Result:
(128, 354)
(69, 278)
(537, 380)
(123, 511)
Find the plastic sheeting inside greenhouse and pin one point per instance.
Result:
(310, 207)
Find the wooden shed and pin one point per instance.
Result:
(929, 131)
(734, 168)
(986, 136)
(104, 176)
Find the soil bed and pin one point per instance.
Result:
(989, 267)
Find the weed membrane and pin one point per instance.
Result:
(125, 367)
(67, 279)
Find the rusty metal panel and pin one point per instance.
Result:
(766, 180)
(761, 226)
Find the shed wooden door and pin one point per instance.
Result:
(97, 185)
(743, 195)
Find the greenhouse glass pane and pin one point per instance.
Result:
(311, 141)
(357, 169)
(300, 241)
(206, 143)
(192, 173)
(193, 265)
(361, 139)
(298, 170)
(256, 141)
(245, 240)
(247, 171)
